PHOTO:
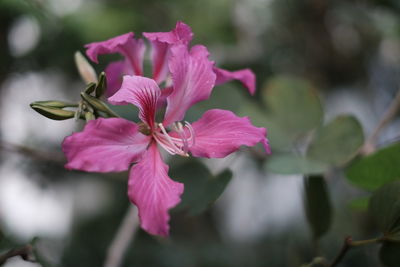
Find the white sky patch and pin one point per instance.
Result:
(24, 35)
(254, 204)
(28, 210)
(64, 7)
(18, 122)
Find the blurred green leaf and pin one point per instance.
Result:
(279, 139)
(384, 207)
(201, 187)
(293, 104)
(359, 204)
(337, 142)
(389, 254)
(293, 164)
(317, 205)
(373, 171)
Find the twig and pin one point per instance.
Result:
(123, 238)
(24, 252)
(370, 144)
(31, 152)
(349, 243)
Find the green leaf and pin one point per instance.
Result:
(389, 254)
(53, 113)
(293, 104)
(292, 164)
(384, 207)
(317, 205)
(337, 142)
(201, 188)
(359, 204)
(373, 171)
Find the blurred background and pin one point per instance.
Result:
(346, 52)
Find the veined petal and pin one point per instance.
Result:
(245, 76)
(160, 43)
(105, 145)
(220, 132)
(153, 192)
(193, 80)
(140, 91)
(132, 49)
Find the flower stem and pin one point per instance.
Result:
(349, 243)
(24, 252)
(123, 238)
(370, 144)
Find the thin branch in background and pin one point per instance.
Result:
(370, 144)
(57, 158)
(123, 238)
(24, 252)
(349, 243)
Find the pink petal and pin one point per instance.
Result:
(245, 76)
(114, 73)
(132, 49)
(153, 192)
(140, 91)
(160, 42)
(193, 80)
(220, 132)
(105, 145)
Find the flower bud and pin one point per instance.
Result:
(86, 71)
(53, 113)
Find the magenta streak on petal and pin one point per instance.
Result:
(153, 192)
(105, 145)
(245, 76)
(193, 80)
(134, 53)
(160, 42)
(220, 132)
(143, 93)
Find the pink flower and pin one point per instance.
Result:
(161, 43)
(109, 145)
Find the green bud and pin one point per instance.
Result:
(101, 85)
(86, 70)
(98, 104)
(53, 104)
(90, 88)
(89, 116)
(53, 113)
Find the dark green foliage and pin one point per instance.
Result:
(373, 171)
(201, 187)
(317, 205)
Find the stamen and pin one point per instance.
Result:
(175, 145)
(172, 145)
(179, 129)
(191, 130)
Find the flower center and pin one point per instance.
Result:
(175, 145)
